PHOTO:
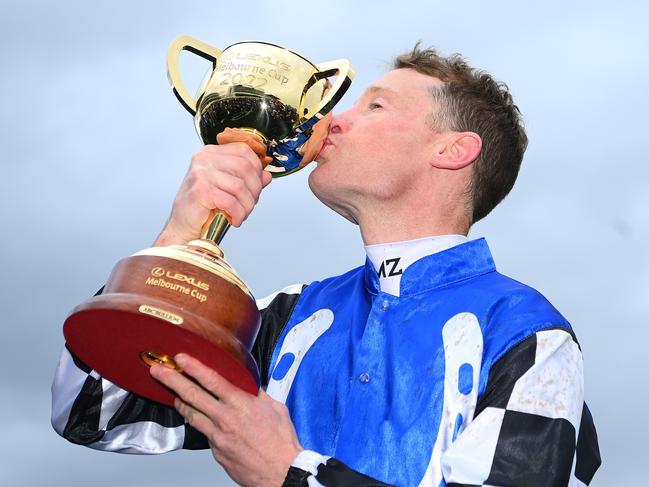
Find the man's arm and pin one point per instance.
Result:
(90, 410)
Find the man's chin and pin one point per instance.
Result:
(320, 159)
(316, 181)
(327, 193)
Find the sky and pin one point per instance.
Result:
(95, 146)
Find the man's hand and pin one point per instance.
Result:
(251, 436)
(229, 177)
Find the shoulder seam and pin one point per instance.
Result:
(292, 289)
(547, 328)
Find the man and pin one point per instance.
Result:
(425, 366)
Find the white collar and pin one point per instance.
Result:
(391, 259)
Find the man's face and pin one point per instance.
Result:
(377, 148)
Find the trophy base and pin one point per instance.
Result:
(163, 301)
(121, 342)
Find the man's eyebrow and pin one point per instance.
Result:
(378, 90)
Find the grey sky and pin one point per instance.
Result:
(95, 146)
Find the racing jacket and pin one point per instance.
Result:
(465, 377)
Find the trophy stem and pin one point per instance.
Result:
(215, 227)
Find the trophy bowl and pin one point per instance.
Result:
(187, 298)
(268, 90)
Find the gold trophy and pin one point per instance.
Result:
(186, 298)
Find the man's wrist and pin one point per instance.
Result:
(167, 237)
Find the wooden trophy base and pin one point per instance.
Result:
(163, 301)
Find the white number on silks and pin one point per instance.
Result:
(296, 344)
(462, 338)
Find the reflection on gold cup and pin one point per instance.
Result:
(187, 298)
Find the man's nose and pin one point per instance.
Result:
(340, 123)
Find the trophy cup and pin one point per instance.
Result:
(186, 298)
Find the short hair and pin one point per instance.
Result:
(472, 100)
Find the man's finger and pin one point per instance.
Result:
(188, 391)
(195, 418)
(230, 135)
(266, 177)
(239, 188)
(210, 380)
(236, 149)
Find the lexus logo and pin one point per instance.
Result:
(157, 272)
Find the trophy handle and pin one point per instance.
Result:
(187, 43)
(345, 74)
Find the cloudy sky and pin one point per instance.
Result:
(94, 146)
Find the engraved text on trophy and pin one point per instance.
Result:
(184, 285)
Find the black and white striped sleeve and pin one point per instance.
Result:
(89, 410)
(531, 426)
(310, 469)
(92, 411)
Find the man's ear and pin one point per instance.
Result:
(456, 150)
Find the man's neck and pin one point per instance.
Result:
(396, 226)
(426, 208)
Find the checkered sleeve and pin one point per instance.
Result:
(88, 409)
(531, 426)
(311, 469)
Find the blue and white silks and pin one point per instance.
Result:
(387, 383)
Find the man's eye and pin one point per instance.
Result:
(374, 106)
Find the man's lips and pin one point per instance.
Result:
(327, 142)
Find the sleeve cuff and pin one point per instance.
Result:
(304, 466)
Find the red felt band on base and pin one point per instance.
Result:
(110, 341)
